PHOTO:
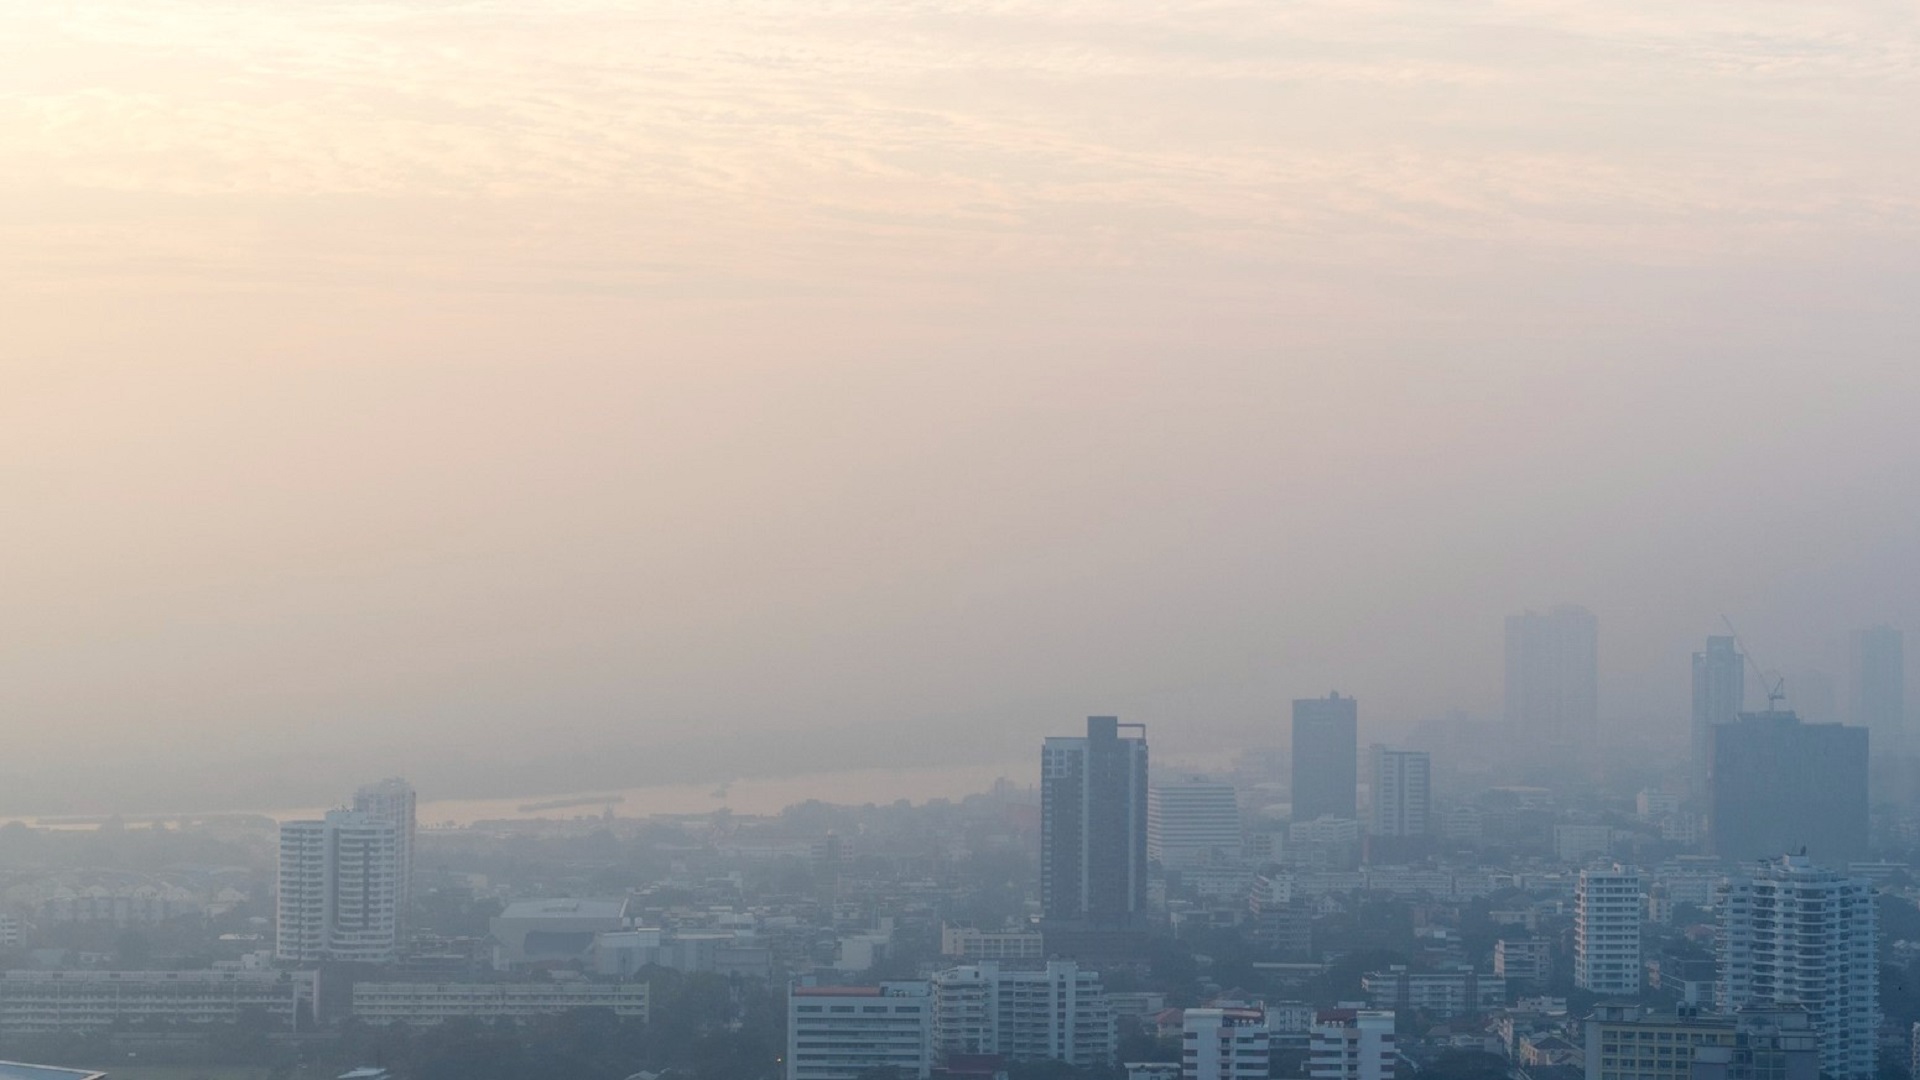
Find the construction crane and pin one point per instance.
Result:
(1777, 691)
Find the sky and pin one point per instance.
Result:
(532, 398)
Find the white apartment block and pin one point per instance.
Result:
(1060, 1013)
(838, 1032)
(1607, 905)
(80, 1001)
(393, 801)
(967, 943)
(1352, 1044)
(1227, 1043)
(432, 1003)
(1443, 993)
(1524, 961)
(1791, 931)
(1402, 792)
(339, 890)
(1193, 822)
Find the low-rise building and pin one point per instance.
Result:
(432, 1003)
(1440, 993)
(78, 1001)
(967, 943)
(535, 931)
(839, 1032)
(1522, 961)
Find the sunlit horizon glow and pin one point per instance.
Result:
(664, 390)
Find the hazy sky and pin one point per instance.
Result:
(509, 393)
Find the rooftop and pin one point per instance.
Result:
(565, 908)
(13, 1070)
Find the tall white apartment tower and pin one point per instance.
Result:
(339, 885)
(1227, 1043)
(1192, 822)
(393, 800)
(1352, 1044)
(1402, 789)
(1791, 931)
(1606, 931)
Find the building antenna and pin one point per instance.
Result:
(1776, 692)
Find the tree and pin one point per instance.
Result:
(1465, 1065)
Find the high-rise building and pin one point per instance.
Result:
(1877, 690)
(393, 800)
(1719, 695)
(1326, 758)
(1792, 932)
(1228, 1042)
(1553, 677)
(1606, 931)
(839, 1032)
(1193, 822)
(338, 890)
(1352, 1044)
(1776, 784)
(1093, 826)
(1402, 792)
(1815, 696)
(1059, 1013)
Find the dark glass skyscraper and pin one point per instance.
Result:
(1326, 757)
(1779, 786)
(1093, 826)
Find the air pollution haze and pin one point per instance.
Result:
(632, 393)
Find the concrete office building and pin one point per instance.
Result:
(42, 1002)
(1719, 696)
(1352, 1044)
(393, 800)
(338, 890)
(1231, 1042)
(1628, 1042)
(1777, 784)
(1093, 827)
(1402, 792)
(1326, 758)
(839, 1032)
(432, 1003)
(1553, 678)
(1193, 822)
(1606, 931)
(1795, 933)
(1058, 1013)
